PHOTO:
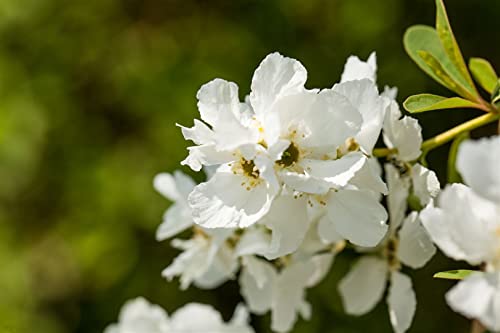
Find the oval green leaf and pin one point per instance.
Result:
(458, 274)
(451, 47)
(483, 73)
(424, 47)
(428, 102)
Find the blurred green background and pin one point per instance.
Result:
(89, 95)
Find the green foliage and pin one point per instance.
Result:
(458, 274)
(495, 95)
(451, 48)
(436, 51)
(453, 175)
(424, 46)
(483, 73)
(429, 102)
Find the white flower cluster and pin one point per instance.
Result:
(139, 316)
(292, 178)
(465, 224)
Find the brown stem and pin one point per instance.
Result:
(477, 327)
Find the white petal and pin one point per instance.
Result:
(224, 202)
(425, 183)
(240, 316)
(356, 69)
(289, 296)
(196, 259)
(404, 134)
(415, 246)
(357, 216)
(478, 163)
(304, 183)
(285, 116)
(390, 92)
(254, 241)
(363, 95)
(401, 301)
(362, 288)
(289, 223)
(220, 107)
(478, 296)
(330, 121)
(200, 133)
(222, 268)
(464, 226)
(216, 97)
(206, 318)
(327, 231)
(313, 242)
(336, 172)
(369, 177)
(276, 76)
(174, 187)
(138, 315)
(322, 264)
(201, 318)
(257, 280)
(399, 189)
(175, 220)
(206, 155)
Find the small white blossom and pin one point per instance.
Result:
(357, 69)
(139, 316)
(281, 292)
(402, 133)
(464, 224)
(178, 217)
(406, 243)
(207, 259)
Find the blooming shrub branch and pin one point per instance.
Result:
(293, 178)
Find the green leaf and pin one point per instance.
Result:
(495, 95)
(450, 45)
(484, 73)
(429, 102)
(458, 274)
(453, 174)
(424, 47)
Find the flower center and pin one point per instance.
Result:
(390, 253)
(249, 169)
(290, 156)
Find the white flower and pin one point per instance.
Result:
(478, 164)
(358, 84)
(207, 259)
(282, 293)
(465, 225)
(402, 133)
(236, 196)
(229, 125)
(139, 316)
(356, 215)
(281, 288)
(178, 217)
(356, 69)
(407, 243)
(242, 189)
